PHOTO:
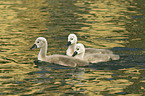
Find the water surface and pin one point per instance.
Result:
(117, 25)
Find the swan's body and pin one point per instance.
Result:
(79, 53)
(72, 41)
(101, 51)
(57, 59)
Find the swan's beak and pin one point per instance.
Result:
(33, 47)
(68, 43)
(75, 53)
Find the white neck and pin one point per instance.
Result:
(42, 53)
(70, 49)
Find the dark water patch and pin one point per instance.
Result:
(20, 82)
(5, 70)
(7, 44)
(121, 93)
(2, 93)
(111, 39)
(42, 79)
(110, 79)
(127, 49)
(110, 66)
(3, 62)
(118, 31)
(5, 58)
(5, 77)
(40, 72)
(137, 16)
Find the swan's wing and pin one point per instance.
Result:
(114, 56)
(95, 58)
(101, 51)
(66, 60)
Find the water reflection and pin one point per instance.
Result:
(87, 81)
(117, 25)
(102, 17)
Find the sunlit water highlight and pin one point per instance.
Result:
(117, 25)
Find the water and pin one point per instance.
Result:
(117, 25)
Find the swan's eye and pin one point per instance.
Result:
(71, 38)
(38, 42)
(77, 48)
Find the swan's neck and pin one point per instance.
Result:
(42, 53)
(71, 49)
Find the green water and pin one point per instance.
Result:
(117, 25)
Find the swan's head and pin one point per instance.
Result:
(79, 50)
(72, 39)
(39, 43)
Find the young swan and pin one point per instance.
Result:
(64, 60)
(72, 41)
(92, 58)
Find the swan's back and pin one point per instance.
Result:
(99, 55)
(66, 60)
(95, 58)
(101, 51)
